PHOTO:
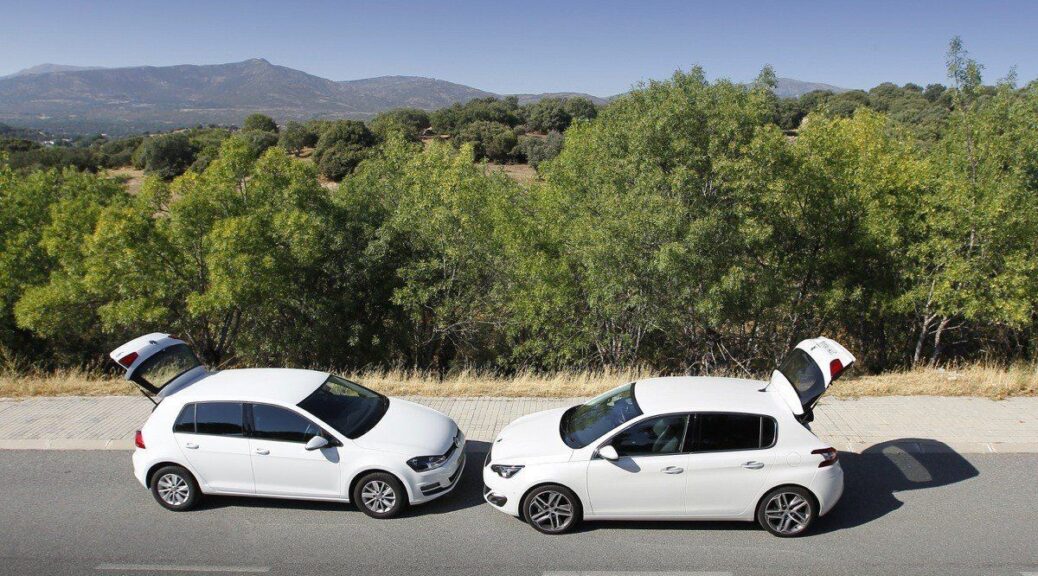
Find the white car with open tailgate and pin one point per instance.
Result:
(678, 448)
(283, 433)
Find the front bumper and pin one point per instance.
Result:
(501, 493)
(426, 486)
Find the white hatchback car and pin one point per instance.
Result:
(677, 448)
(283, 433)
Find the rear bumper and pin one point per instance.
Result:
(827, 486)
(141, 463)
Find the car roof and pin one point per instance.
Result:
(274, 385)
(704, 394)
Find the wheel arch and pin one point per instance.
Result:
(159, 465)
(526, 493)
(764, 495)
(375, 470)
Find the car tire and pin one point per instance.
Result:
(787, 511)
(552, 509)
(175, 488)
(380, 495)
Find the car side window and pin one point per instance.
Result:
(219, 418)
(186, 421)
(274, 423)
(653, 437)
(717, 432)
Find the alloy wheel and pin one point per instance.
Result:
(173, 489)
(787, 513)
(378, 496)
(551, 510)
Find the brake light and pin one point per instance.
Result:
(829, 456)
(835, 367)
(138, 440)
(127, 360)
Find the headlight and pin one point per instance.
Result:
(506, 470)
(426, 463)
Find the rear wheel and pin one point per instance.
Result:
(787, 511)
(552, 509)
(174, 488)
(380, 495)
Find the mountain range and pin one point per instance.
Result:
(123, 100)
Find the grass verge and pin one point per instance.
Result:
(972, 380)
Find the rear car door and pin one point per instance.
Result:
(211, 436)
(649, 477)
(281, 463)
(729, 462)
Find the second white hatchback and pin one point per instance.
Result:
(283, 434)
(677, 448)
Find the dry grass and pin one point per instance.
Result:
(521, 173)
(131, 177)
(973, 380)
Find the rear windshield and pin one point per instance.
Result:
(346, 406)
(164, 367)
(804, 374)
(582, 425)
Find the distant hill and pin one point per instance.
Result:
(122, 100)
(48, 68)
(790, 88)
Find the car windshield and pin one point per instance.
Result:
(582, 425)
(165, 366)
(346, 406)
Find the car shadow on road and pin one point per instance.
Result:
(468, 493)
(872, 480)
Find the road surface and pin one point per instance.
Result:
(64, 512)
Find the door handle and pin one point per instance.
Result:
(191, 446)
(262, 451)
(673, 470)
(753, 465)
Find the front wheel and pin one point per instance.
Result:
(174, 488)
(552, 509)
(787, 511)
(380, 495)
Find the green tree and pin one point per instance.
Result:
(167, 155)
(295, 137)
(259, 122)
(410, 122)
(491, 140)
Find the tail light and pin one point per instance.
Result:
(127, 360)
(138, 440)
(829, 456)
(835, 367)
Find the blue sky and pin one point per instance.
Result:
(532, 45)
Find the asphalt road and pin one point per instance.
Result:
(83, 513)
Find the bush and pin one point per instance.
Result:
(340, 160)
(258, 141)
(342, 145)
(296, 136)
(538, 150)
(491, 140)
(407, 121)
(167, 155)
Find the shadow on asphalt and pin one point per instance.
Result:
(468, 493)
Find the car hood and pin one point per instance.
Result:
(410, 429)
(534, 438)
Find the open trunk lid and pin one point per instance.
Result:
(807, 372)
(158, 363)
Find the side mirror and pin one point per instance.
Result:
(608, 452)
(317, 442)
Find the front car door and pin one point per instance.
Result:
(728, 463)
(211, 435)
(280, 461)
(648, 480)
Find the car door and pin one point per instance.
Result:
(648, 479)
(728, 464)
(280, 461)
(211, 436)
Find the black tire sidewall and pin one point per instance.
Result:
(578, 510)
(192, 486)
(394, 483)
(803, 493)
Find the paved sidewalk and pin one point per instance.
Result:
(921, 423)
